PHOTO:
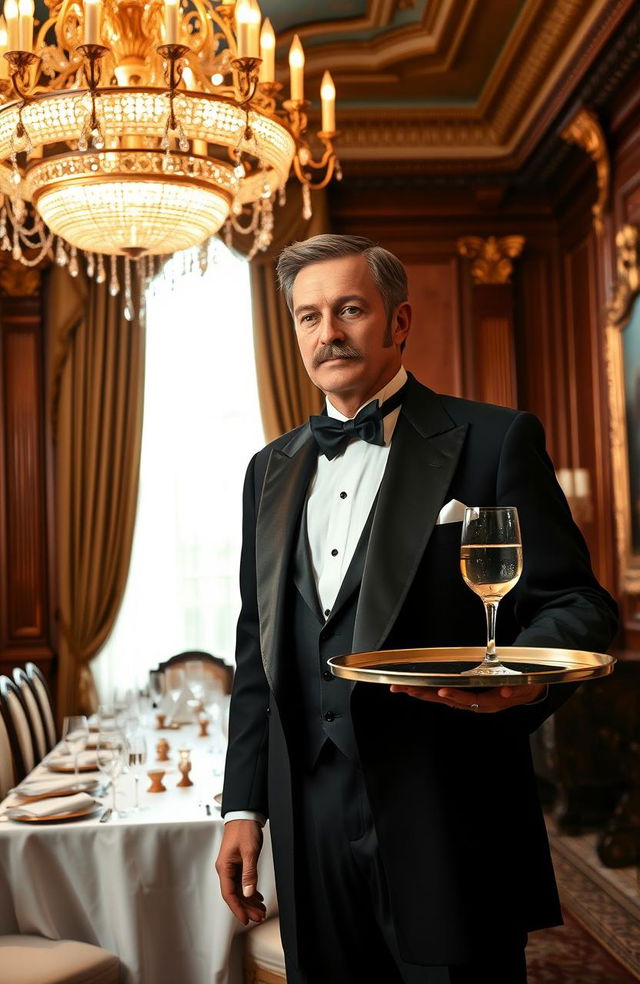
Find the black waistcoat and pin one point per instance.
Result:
(322, 701)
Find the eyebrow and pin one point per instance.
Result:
(339, 301)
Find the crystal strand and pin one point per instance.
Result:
(100, 273)
(73, 262)
(91, 265)
(203, 257)
(228, 234)
(61, 255)
(114, 283)
(16, 252)
(128, 300)
(306, 202)
(282, 195)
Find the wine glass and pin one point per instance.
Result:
(156, 686)
(137, 762)
(491, 564)
(111, 755)
(75, 733)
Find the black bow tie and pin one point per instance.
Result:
(332, 435)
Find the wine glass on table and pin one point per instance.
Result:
(75, 734)
(491, 564)
(111, 755)
(137, 762)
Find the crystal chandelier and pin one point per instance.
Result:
(137, 128)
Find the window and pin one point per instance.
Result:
(201, 426)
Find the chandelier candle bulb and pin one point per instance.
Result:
(296, 68)
(254, 29)
(268, 52)
(91, 33)
(171, 21)
(4, 46)
(328, 99)
(243, 15)
(11, 18)
(25, 25)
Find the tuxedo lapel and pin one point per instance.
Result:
(288, 474)
(424, 453)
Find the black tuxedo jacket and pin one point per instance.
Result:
(453, 794)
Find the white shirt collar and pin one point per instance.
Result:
(387, 391)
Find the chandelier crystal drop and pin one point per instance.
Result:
(139, 128)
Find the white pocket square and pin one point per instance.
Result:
(452, 512)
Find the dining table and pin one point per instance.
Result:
(142, 884)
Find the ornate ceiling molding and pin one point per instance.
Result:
(585, 131)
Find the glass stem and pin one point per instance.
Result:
(113, 795)
(491, 610)
(137, 780)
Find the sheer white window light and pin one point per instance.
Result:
(201, 426)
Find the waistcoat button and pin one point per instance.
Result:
(329, 716)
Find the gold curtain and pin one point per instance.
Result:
(97, 403)
(287, 395)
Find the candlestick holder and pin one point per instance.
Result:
(20, 66)
(203, 721)
(162, 750)
(184, 767)
(173, 56)
(156, 776)
(160, 721)
(248, 76)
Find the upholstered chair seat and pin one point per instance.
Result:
(264, 957)
(36, 960)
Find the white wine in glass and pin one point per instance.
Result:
(491, 564)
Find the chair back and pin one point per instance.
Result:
(7, 771)
(44, 700)
(30, 701)
(18, 721)
(212, 666)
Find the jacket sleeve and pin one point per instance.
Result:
(245, 783)
(558, 601)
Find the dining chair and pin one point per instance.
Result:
(30, 701)
(7, 770)
(37, 960)
(212, 665)
(18, 723)
(43, 696)
(263, 954)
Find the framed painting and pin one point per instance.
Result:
(623, 372)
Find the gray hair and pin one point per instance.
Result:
(388, 273)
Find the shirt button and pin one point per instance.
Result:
(327, 675)
(327, 612)
(343, 495)
(329, 716)
(334, 552)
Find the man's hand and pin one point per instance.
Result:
(486, 702)
(237, 868)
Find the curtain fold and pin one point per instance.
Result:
(97, 406)
(287, 395)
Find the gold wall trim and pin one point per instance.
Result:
(585, 131)
(626, 289)
(491, 258)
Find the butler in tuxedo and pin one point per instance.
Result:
(408, 841)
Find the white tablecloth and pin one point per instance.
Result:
(143, 886)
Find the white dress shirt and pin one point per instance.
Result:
(340, 499)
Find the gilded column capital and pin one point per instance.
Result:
(585, 131)
(491, 258)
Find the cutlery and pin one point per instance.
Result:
(106, 816)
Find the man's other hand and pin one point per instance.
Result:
(237, 867)
(486, 702)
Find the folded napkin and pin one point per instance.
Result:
(182, 713)
(67, 761)
(49, 784)
(53, 807)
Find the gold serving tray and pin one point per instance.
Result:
(443, 667)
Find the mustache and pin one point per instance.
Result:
(336, 350)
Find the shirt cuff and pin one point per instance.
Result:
(244, 815)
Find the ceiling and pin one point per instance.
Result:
(445, 82)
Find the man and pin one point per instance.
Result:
(409, 845)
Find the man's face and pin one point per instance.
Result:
(348, 347)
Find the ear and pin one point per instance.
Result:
(401, 323)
